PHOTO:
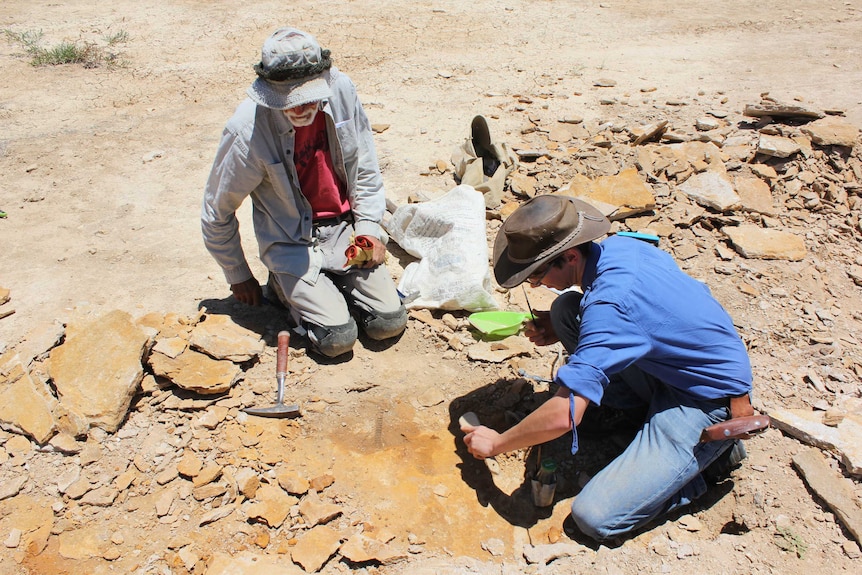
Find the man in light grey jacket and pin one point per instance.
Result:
(301, 146)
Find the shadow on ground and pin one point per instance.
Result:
(603, 435)
(501, 405)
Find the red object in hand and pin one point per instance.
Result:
(360, 251)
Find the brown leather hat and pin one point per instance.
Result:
(541, 229)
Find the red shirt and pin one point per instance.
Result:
(317, 179)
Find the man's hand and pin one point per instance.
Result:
(248, 292)
(540, 331)
(480, 440)
(378, 252)
(551, 420)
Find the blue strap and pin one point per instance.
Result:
(574, 429)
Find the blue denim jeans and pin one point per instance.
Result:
(661, 468)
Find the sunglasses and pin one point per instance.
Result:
(539, 274)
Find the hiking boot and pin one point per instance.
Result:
(729, 460)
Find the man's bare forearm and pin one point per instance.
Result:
(548, 422)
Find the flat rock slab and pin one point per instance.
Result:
(84, 543)
(28, 408)
(626, 192)
(196, 371)
(219, 337)
(759, 243)
(777, 146)
(98, 369)
(754, 195)
(315, 547)
(845, 439)
(316, 511)
(835, 491)
(248, 563)
(271, 505)
(361, 549)
(780, 111)
(500, 351)
(832, 132)
(711, 190)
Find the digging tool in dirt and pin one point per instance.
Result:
(279, 409)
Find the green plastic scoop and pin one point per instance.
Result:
(499, 322)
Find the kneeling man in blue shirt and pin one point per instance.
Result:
(643, 334)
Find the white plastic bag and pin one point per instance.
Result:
(448, 235)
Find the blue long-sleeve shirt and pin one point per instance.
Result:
(639, 308)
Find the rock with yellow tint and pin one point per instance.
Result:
(98, 369)
(189, 464)
(195, 371)
(361, 549)
(832, 132)
(219, 337)
(754, 195)
(271, 505)
(758, 243)
(506, 209)
(207, 475)
(648, 132)
(764, 171)
(65, 443)
(212, 417)
(292, 482)
(522, 185)
(90, 541)
(248, 482)
(12, 487)
(500, 351)
(618, 197)
(261, 538)
(170, 346)
(321, 482)
(316, 511)
(18, 445)
(544, 554)
(215, 514)
(27, 407)
(777, 146)
(209, 491)
(247, 563)
(315, 548)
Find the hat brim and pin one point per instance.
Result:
(510, 274)
(284, 95)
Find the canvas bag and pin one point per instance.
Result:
(448, 235)
(483, 163)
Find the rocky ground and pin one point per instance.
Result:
(125, 368)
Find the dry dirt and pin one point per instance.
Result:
(103, 171)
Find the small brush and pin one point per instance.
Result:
(526, 299)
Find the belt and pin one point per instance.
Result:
(743, 422)
(334, 220)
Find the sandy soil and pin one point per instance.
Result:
(103, 171)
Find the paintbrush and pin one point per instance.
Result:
(526, 299)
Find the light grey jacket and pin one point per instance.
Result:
(255, 157)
